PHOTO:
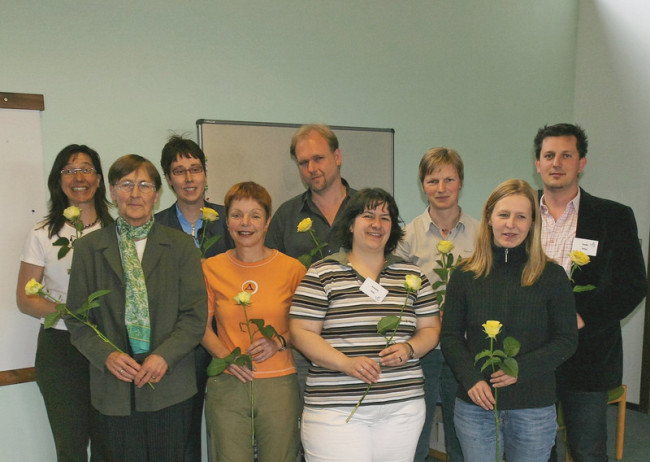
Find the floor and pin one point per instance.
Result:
(637, 437)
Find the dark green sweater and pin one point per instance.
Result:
(542, 317)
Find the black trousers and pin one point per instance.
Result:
(62, 377)
(193, 446)
(158, 436)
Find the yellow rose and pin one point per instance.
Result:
(72, 213)
(579, 258)
(492, 328)
(304, 225)
(445, 246)
(33, 287)
(243, 298)
(412, 282)
(208, 214)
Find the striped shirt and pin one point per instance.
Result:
(331, 292)
(557, 236)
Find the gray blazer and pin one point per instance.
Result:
(177, 307)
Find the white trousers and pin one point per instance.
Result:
(377, 433)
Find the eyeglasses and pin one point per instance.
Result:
(180, 171)
(74, 171)
(144, 186)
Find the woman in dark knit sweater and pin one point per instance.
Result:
(509, 279)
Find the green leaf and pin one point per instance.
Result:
(63, 251)
(510, 367)
(217, 366)
(317, 249)
(61, 241)
(511, 346)
(99, 293)
(491, 362)
(86, 307)
(437, 284)
(450, 260)
(387, 324)
(209, 243)
(499, 353)
(305, 260)
(442, 273)
(586, 288)
(267, 331)
(79, 225)
(482, 354)
(244, 360)
(233, 354)
(51, 319)
(91, 302)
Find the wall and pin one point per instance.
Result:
(478, 76)
(612, 102)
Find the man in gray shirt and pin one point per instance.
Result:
(315, 149)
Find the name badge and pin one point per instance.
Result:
(585, 245)
(374, 290)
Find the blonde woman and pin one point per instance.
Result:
(508, 279)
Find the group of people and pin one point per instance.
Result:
(337, 361)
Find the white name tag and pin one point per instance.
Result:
(373, 290)
(585, 245)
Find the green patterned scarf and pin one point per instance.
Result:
(137, 303)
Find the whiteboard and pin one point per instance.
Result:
(258, 151)
(22, 191)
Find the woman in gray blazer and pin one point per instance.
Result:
(155, 313)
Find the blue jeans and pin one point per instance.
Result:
(525, 435)
(585, 417)
(448, 390)
(439, 380)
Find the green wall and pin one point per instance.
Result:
(475, 75)
(479, 76)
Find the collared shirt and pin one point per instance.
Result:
(170, 217)
(187, 226)
(421, 238)
(284, 236)
(557, 236)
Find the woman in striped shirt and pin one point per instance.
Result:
(334, 318)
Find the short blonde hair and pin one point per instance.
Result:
(438, 157)
(324, 130)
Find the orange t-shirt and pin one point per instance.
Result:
(271, 283)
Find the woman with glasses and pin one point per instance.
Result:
(155, 313)
(183, 163)
(61, 371)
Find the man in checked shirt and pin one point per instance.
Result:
(606, 231)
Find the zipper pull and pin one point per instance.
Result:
(506, 255)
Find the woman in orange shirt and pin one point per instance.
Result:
(269, 389)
